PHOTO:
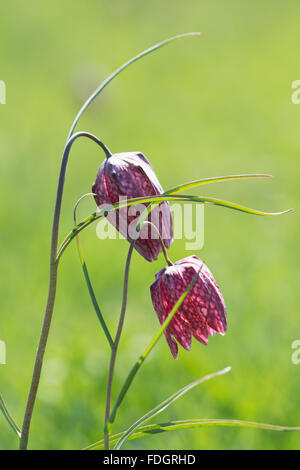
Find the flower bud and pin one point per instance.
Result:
(126, 176)
(202, 313)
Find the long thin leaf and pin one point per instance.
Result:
(201, 199)
(147, 351)
(152, 429)
(88, 280)
(96, 305)
(165, 404)
(160, 198)
(120, 69)
(217, 179)
(7, 415)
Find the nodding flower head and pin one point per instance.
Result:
(126, 176)
(202, 312)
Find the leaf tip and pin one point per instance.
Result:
(192, 33)
(227, 369)
(284, 212)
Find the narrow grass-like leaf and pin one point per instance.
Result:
(165, 404)
(147, 351)
(114, 350)
(88, 280)
(217, 179)
(96, 305)
(152, 429)
(158, 199)
(201, 199)
(123, 67)
(7, 415)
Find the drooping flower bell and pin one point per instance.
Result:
(130, 175)
(202, 312)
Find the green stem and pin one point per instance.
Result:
(54, 258)
(116, 344)
(163, 247)
(52, 289)
(146, 353)
(39, 356)
(141, 220)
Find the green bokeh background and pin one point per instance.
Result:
(208, 106)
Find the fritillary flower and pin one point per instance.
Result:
(202, 312)
(130, 175)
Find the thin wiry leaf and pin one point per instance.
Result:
(147, 351)
(201, 199)
(88, 280)
(152, 429)
(160, 198)
(7, 415)
(124, 67)
(217, 179)
(165, 404)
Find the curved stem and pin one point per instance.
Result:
(52, 288)
(123, 67)
(116, 344)
(54, 259)
(163, 247)
(120, 325)
(39, 356)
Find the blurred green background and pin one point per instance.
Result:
(208, 106)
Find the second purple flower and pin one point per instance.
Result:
(202, 312)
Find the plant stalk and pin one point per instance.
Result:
(52, 289)
(147, 351)
(116, 344)
(163, 246)
(54, 258)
